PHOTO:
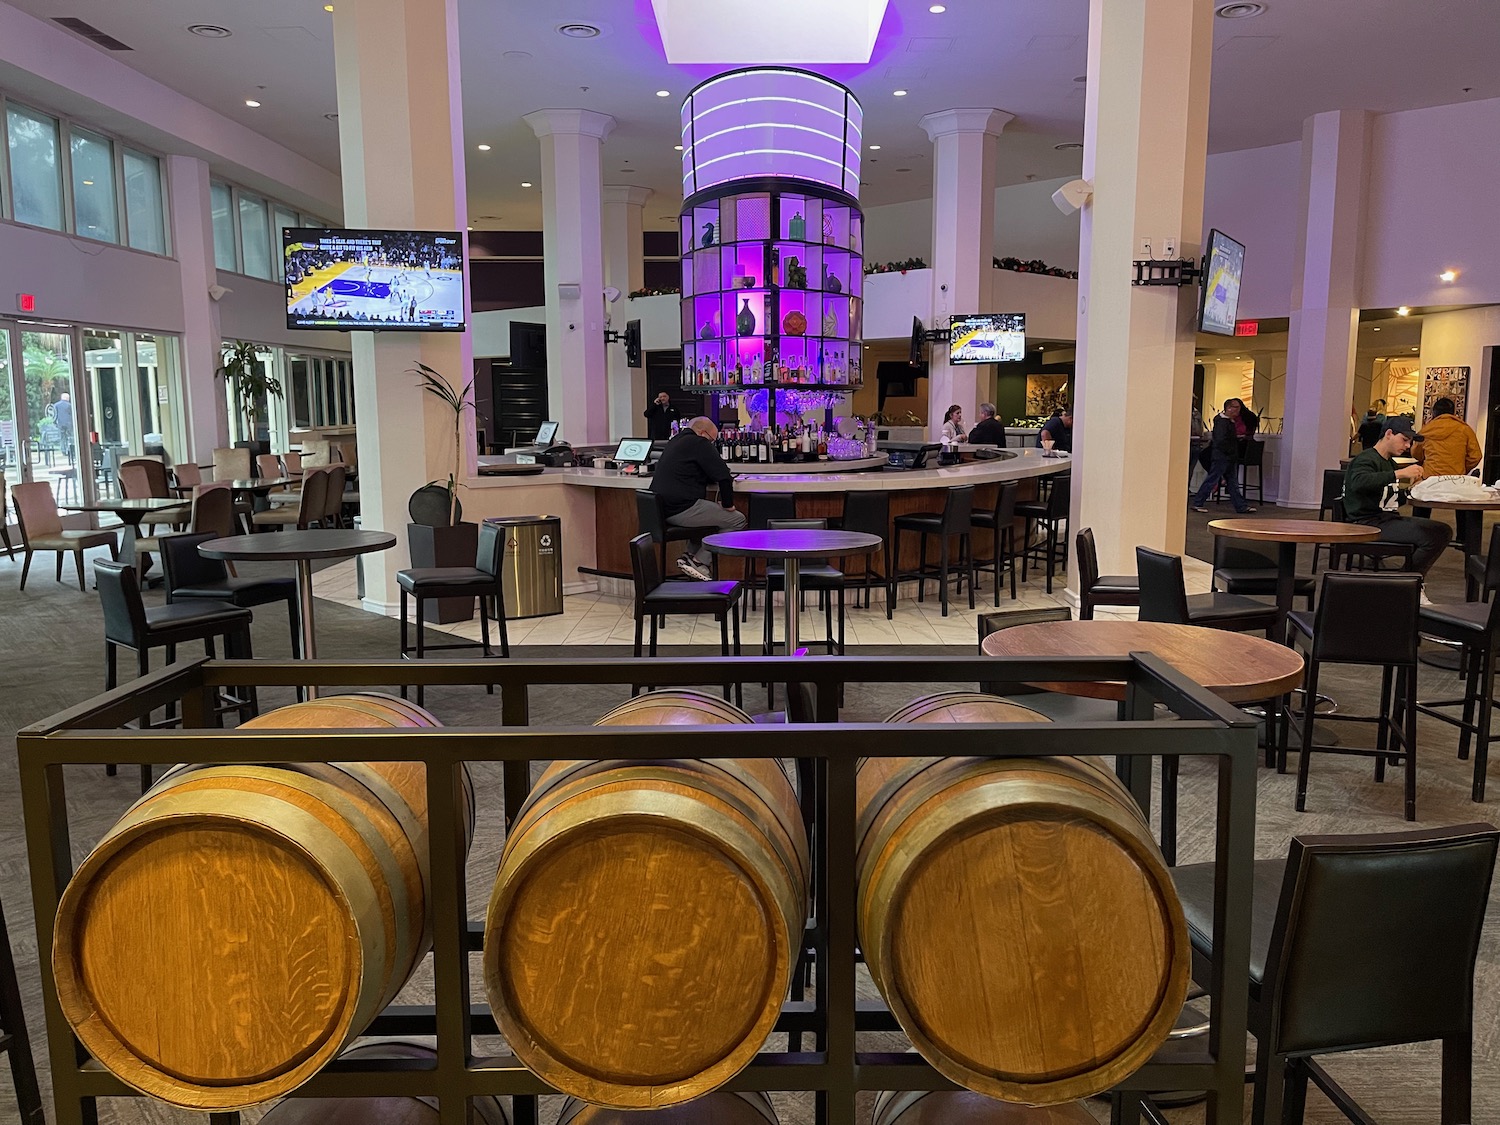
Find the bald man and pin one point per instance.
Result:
(688, 465)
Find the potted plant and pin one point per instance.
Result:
(250, 383)
(437, 535)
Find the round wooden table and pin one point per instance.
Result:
(792, 545)
(1287, 534)
(1471, 532)
(301, 547)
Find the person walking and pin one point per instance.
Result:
(1231, 425)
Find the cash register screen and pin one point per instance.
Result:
(547, 434)
(635, 451)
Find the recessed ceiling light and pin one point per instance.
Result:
(874, 148)
(1375, 329)
(1067, 146)
(252, 103)
(483, 148)
(676, 148)
(664, 93)
(1403, 311)
(579, 31)
(210, 30)
(1448, 275)
(525, 183)
(88, 183)
(1239, 10)
(899, 93)
(937, 9)
(328, 7)
(1416, 349)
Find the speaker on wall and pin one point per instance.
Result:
(633, 343)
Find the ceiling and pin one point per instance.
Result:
(1270, 72)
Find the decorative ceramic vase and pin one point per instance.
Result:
(745, 321)
(746, 281)
(830, 324)
(831, 284)
(708, 235)
(706, 332)
(794, 323)
(797, 227)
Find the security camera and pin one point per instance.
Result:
(217, 293)
(611, 294)
(1073, 195)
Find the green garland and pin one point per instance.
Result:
(895, 267)
(1036, 265)
(668, 291)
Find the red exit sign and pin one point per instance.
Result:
(26, 302)
(1247, 328)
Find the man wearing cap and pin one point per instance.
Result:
(1373, 496)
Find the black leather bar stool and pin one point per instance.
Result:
(129, 624)
(1368, 620)
(815, 575)
(956, 519)
(1000, 520)
(760, 509)
(1164, 597)
(1050, 513)
(1333, 488)
(651, 521)
(1094, 590)
(1355, 942)
(15, 1040)
(482, 581)
(658, 598)
(1242, 568)
(869, 513)
(192, 577)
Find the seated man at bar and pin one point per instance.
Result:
(688, 465)
(1060, 429)
(1372, 495)
(989, 431)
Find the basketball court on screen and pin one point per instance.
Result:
(374, 292)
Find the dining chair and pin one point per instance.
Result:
(1095, 589)
(188, 475)
(42, 530)
(658, 598)
(311, 506)
(231, 464)
(333, 507)
(1242, 567)
(191, 576)
(10, 551)
(1164, 597)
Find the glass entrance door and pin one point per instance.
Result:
(41, 426)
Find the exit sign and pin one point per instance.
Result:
(1247, 328)
(26, 302)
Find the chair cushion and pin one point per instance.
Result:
(1195, 887)
(242, 591)
(1036, 509)
(436, 577)
(1302, 621)
(1257, 580)
(71, 540)
(683, 591)
(1461, 617)
(182, 615)
(1121, 584)
(920, 521)
(287, 514)
(1207, 609)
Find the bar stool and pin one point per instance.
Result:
(1051, 514)
(651, 521)
(870, 513)
(482, 581)
(15, 1041)
(1243, 568)
(761, 509)
(659, 598)
(956, 518)
(1093, 590)
(815, 575)
(1001, 521)
(192, 577)
(1252, 456)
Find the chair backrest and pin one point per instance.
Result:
(648, 515)
(188, 475)
(267, 466)
(184, 565)
(314, 502)
(120, 596)
(149, 469)
(231, 464)
(1491, 580)
(491, 551)
(135, 481)
(1088, 558)
(645, 567)
(36, 509)
(1333, 488)
(1240, 554)
(291, 464)
(213, 510)
(958, 510)
(868, 512)
(1005, 503)
(1163, 588)
(1252, 452)
(1059, 500)
(333, 499)
(1376, 936)
(763, 507)
(315, 454)
(346, 451)
(807, 523)
(1367, 618)
(1009, 619)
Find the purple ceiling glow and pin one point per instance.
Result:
(771, 122)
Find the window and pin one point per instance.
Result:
(144, 214)
(255, 237)
(35, 176)
(222, 201)
(93, 164)
(285, 218)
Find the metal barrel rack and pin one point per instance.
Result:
(824, 1059)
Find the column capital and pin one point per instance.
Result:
(582, 122)
(626, 193)
(946, 122)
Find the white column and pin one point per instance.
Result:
(573, 268)
(964, 146)
(1145, 151)
(205, 415)
(625, 269)
(1325, 301)
(401, 143)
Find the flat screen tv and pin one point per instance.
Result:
(1223, 267)
(918, 338)
(987, 338)
(374, 280)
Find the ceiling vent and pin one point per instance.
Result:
(579, 31)
(1239, 11)
(91, 33)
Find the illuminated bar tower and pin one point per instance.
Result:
(772, 236)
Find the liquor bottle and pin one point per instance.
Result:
(765, 449)
(822, 445)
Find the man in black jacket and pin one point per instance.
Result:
(989, 431)
(659, 417)
(1233, 425)
(688, 465)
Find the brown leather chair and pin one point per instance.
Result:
(42, 530)
(1357, 942)
(310, 509)
(231, 464)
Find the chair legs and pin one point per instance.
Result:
(1395, 724)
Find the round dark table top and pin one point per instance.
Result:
(248, 484)
(314, 543)
(791, 543)
(145, 504)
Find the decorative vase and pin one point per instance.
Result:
(745, 321)
(706, 332)
(746, 281)
(708, 235)
(794, 323)
(830, 324)
(797, 227)
(430, 507)
(831, 284)
(828, 229)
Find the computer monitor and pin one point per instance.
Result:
(547, 434)
(633, 451)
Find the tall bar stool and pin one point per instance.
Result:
(1241, 567)
(1050, 514)
(658, 598)
(761, 509)
(956, 519)
(651, 521)
(193, 577)
(482, 581)
(15, 1041)
(869, 513)
(1001, 521)
(1096, 590)
(1252, 456)
(815, 575)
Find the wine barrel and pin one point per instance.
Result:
(647, 916)
(963, 1107)
(241, 923)
(1016, 915)
(380, 1111)
(719, 1108)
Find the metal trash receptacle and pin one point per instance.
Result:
(531, 573)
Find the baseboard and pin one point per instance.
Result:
(384, 609)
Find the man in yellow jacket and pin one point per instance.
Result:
(1448, 448)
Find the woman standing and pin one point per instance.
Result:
(953, 423)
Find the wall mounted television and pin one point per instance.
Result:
(1223, 267)
(374, 280)
(987, 338)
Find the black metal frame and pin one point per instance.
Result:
(835, 1068)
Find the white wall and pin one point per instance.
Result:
(1252, 196)
(892, 299)
(1466, 338)
(256, 310)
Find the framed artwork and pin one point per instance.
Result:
(1445, 382)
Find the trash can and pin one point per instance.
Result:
(531, 574)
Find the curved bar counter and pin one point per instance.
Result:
(598, 505)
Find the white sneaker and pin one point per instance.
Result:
(1424, 600)
(694, 569)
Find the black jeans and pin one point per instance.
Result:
(1428, 536)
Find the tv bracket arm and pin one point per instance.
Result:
(1173, 271)
(937, 336)
(613, 337)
